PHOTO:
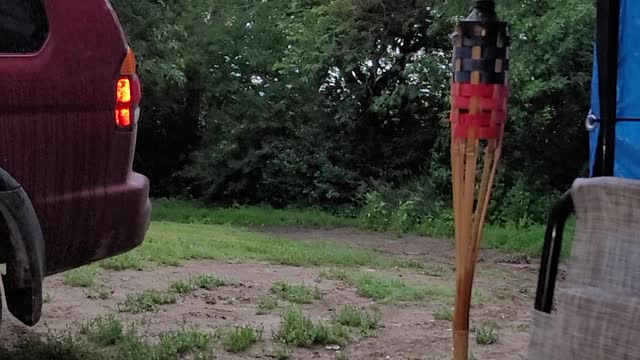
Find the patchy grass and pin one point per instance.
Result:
(335, 274)
(443, 314)
(98, 292)
(171, 243)
(389, 289)
(295, 293)
(241, 338)
(527, 240)
(104, 331)
(191, 212)
(486, 334)
(53, 347)
(182, 287)
(356, 318)
(122, 262)
(179, 343)
(208, 282)
(146, 301)
(266, 304)
(329, 333)
(82, 277)
(222, 242)
(282, 353)
(297, 329)
(201, 281)
(107, 338)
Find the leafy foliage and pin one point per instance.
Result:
(321, 102)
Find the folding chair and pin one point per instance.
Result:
(596, 313)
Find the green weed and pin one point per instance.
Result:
(443, 314)
(297, 294)
(123, 262)
(328, 333)
(356, 318)
(283, 353)
(176, 344)
(208, 282)
(486, 334)
(376, 212)
(147, 300)
(82, 277)
(240, 338)
(107, 338)
(182, 287)
(104, 331)
(98, 292)
(266, 304)
(296, 329)
(64, 347)
(201, 281)
(335, 274)
(132, 347)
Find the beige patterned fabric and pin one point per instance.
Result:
(597, 312)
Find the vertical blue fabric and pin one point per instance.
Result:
(627, 155)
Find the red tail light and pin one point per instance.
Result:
(123, 117)
(123, 90)
(127, 93)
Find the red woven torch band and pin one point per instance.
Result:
(490, 103)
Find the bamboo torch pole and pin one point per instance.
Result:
(478, 116)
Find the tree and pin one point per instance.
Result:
(312, 102)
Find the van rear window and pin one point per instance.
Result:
(23, 26)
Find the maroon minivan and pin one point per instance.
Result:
(69, 99)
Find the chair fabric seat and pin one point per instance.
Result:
(597, 308)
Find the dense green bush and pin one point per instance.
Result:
(341, 103)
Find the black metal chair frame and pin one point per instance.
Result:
(607, 40)
(608, 24)
(551, 253)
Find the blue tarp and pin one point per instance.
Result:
(627, 149)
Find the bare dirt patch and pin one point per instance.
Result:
(409, 330)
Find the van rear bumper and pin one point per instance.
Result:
(80, 228)
(88, 226)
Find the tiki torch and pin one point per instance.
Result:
(478, 114)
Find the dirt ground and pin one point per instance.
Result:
(409, 331)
